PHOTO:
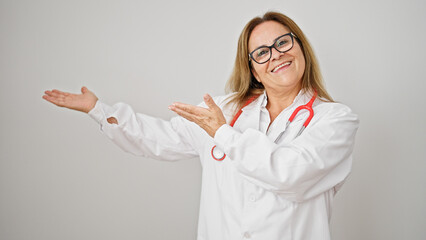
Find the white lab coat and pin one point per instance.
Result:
(261, 190)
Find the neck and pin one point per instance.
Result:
(279, 100)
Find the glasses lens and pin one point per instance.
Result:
(261, 55)
(284, 43)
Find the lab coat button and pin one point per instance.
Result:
(247, 235)
(252, 198)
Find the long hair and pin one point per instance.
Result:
(243, 83)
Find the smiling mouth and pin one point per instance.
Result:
(281, 66)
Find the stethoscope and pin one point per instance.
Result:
(218, 155)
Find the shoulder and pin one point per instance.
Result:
(223, 100)
(334, 110)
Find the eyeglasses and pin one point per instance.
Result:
(282, 44)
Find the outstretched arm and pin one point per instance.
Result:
(135, 133)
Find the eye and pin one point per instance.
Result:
(262, 52)
(281, 42)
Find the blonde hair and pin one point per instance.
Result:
(242, 81)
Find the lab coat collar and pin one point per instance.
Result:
(250, 116)
(301, 98)
(255, 107)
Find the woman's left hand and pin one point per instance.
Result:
(210, 119)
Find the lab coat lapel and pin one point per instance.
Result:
(280, 123)
(250, 116)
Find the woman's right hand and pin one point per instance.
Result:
(83, 102)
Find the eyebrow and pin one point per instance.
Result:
(273, 41)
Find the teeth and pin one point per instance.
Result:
(280, 66)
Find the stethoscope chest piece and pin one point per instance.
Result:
(218, 154)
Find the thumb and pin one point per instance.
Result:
(84, 90)
(209, 101)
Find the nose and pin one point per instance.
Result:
(275, 54)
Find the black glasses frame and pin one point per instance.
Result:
(292, 36)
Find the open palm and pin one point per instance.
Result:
(83, 102)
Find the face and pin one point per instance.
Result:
(284, 71)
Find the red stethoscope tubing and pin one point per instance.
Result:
(307, 106)
(250, 100)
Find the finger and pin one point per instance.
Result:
(189, 116)
(209, 101)
(57, 97)
(45, 97)
(51, 94)
(195, 110)
(60, 93)
(53, 100)
(48, 93)
(84, 89)
(56, 93)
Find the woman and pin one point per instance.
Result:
(262, 179)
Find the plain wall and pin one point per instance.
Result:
(60, 178)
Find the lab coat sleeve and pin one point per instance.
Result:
(316, 161)
(144, 135)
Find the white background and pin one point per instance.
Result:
(60, 178)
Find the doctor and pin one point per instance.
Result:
(261, 179)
